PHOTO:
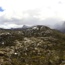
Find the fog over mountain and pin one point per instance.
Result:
(60, 27)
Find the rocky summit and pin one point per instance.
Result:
(36, 45)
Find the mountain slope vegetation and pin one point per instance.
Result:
(37, 45)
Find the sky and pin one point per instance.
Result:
(15, 13)
(1, 10)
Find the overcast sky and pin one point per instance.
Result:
(15, 13)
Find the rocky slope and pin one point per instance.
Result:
(37, 45)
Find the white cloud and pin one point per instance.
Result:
(24, 11)
(47, 8)
(8, 26)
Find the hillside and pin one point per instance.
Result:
(37, 45)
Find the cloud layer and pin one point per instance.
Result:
(31, 12)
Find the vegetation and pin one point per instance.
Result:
(38, 45)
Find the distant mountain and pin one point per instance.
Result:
(20, 28)
(25, 26)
